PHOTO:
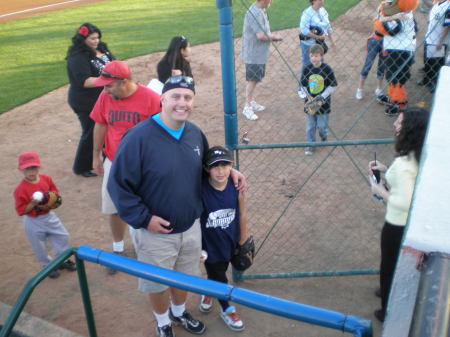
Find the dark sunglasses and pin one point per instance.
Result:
(180, 78)
(108, 75)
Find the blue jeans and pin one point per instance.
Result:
(374, 48)
(304, 46)
(319, 122)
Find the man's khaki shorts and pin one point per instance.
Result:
(108, 206)
(180, 252)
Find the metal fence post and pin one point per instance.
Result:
(84, 288)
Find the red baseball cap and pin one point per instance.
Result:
(113, 71)
(28, 159)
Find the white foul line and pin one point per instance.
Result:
(36, 8)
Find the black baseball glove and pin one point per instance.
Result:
(243, 255)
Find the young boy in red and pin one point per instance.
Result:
(40, 225)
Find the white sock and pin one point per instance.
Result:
(178, 310)
(118, 246)
(162, 319)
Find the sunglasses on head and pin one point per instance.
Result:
(180, 78)
(108, 75)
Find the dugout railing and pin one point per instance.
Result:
(357, 326)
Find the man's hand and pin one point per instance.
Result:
(158, 225)
(239, 180)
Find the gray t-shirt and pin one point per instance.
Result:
(254, 50)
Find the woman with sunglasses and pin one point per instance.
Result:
(86, 57)
(410, 130)
(175, 62)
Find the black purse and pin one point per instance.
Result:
(323, 44)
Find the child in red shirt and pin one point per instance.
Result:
(40, 225)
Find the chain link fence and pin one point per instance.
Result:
(314, 215)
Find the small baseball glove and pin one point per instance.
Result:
(313, 106)
(51, 200)
(243, 255)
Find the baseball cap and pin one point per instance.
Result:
(217, 154)
(115, 70)
(179, 81)
(28, 159)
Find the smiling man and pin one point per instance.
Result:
(155, 184)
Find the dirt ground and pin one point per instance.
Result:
(48, 126)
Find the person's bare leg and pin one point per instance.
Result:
(380, 83)
(159, 301)
(362, 80)
(178, 296)
(249, 90)
(118, 227)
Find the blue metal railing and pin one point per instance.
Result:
(357, 326)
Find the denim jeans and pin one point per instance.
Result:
(374, 48)
(319, 122)
(304, 46)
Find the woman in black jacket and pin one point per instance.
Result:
(175, 62)
(86, 57)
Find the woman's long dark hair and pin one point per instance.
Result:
(413, 131)
(78, 41)
(173, 55)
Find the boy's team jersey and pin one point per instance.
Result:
(24, 192)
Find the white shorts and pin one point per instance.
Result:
(180, 252)
(108, 206)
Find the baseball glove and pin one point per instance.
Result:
(243, 255)
(50, 201)
(313, 106)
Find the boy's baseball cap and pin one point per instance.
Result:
(28, 159)
(217, 154)
(114, 70)
(179, 81)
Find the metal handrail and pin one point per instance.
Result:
(359, 327)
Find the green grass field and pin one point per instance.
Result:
(33, 50)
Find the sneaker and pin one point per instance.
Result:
(257, 107)
(165, 331)
(110, 270)
(53, 274)
(232, 319)
(359, 93)
(324, 139)
(379, 314)
(392, 110)
(384, 99)
(309, 151)
(68, 265)
(206, 303)
(378, 92)
(248, 112)
(378, 293)
(188, 322)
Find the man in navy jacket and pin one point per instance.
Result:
(155, 183)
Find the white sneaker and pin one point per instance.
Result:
(309, 151)
(232, 319)
(359, 93)
(378, 92)
(248, 112)
(257, 107)
(206, 303)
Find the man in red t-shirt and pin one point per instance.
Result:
(122, 104)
